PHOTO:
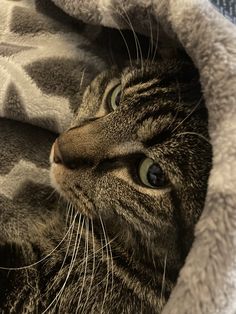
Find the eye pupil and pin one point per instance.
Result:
(151, 174)
(155, 175)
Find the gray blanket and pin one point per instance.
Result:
(46, 59)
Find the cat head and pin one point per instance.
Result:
(138, 157)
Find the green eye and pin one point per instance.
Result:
(114, 97)
(151, 174)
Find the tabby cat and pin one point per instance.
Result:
(133, 168)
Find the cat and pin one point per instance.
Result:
(133, 168)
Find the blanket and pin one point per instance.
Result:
(44, 67)
(46, 61)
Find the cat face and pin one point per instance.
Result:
(138, 156)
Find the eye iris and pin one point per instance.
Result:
(155, 176)
(151, 174)
(115, 97)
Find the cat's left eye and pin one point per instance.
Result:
(151, 174)
(114, 97)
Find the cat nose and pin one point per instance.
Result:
(61, 156)
(57, 157)
(79, 146)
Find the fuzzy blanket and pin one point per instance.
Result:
(47, 57)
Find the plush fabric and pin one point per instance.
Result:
(46, 61)
(42, 86)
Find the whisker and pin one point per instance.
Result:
(102, 258)
(85, 264)
(137, 42)
(69, 242)
(102, 245)
(112, 269)
(108, 264)
(97, 251)
(73, 258)
(197, 134)
(93, 269)
(127, 47)
(66, 254)
(156, 41)
(127, 23)
(58, 295)
(178, 107)
(82, 78)
(191, 112)
(163, 278)
(51, 194)
(150, 48)
(72, 213)
(68, 211)
(123, 37)
(45, 257)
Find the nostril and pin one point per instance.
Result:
(71, 152)
(57, 157)
(62, 157)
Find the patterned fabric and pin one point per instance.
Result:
(41, 64)
(46, 60)
(44, 55)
